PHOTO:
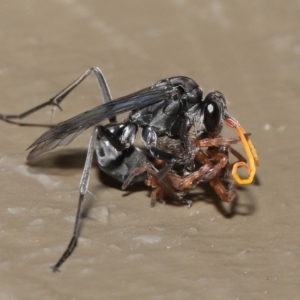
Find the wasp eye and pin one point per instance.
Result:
(212, 116)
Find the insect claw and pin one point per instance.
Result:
(152, 204)
(60, 108)
(55, 269)
(189, 203)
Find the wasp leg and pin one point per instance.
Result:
(122, 138)
(83, 187)
(149, 138)
(57, 99)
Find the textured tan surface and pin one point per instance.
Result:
(250, 50)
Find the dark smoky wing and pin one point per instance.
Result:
(65, 132)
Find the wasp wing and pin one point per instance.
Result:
(65, 132)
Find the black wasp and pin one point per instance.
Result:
(168, 108)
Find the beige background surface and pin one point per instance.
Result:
(249, 50)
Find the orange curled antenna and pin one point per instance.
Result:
(250, 151)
